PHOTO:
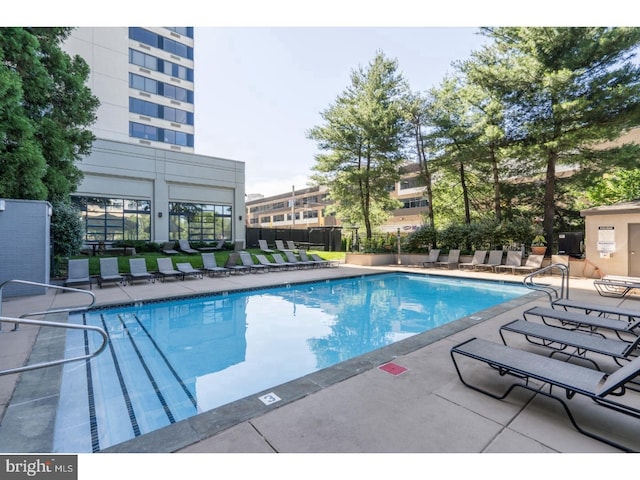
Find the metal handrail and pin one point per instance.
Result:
(47, 285)
(46, 323)
(548, 289)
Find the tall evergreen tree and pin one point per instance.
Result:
(363, 140)
(565, 91)
(45, 110)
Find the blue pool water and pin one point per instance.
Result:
(167, 361)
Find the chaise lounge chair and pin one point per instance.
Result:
(271, 265)
(452, 260)
(315, 263)
(291, 258)
(560, 379)
(78, 273)
(169, 248)
(210, 266)
(533, 263)
(616, 286)
(495, 259)
(247, 260)
(138, 270)
(584, 322)
(479, 257)
(288, 265)
(514, 260)
(165, 269)
(186, 269)
(572, 343)
(434, 253)
(185, 247)
(280, 246)
(264, 246)
(109, 271)
(218, 246)
(327, 263)
(232, 264)
(630, 314)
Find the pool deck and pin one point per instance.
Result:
(353, 407)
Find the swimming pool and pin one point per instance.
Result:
(171, 360)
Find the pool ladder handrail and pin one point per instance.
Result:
(47, 323)
(552, 292)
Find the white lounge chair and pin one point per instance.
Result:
(434, 253)
(452, 260)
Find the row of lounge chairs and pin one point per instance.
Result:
(237, 262)
(480, 262)
(586, 336)
(185, 247)
(279, 246)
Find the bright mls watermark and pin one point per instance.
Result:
(50, 467)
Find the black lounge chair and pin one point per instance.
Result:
(560, 379)
(616, 286)
(185, 247)
(138, 270)
(210, 266)
(186, 269)
(583, 321)
(434, 253)
(78, 272)
(109, 271)
(572, 343)
(630, 314)
(165, 269)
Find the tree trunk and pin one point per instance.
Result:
(496, 186)
(426, 173)
(465, 195)
(549, 198)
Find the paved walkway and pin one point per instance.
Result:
(355, 406)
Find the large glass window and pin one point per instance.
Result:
(109, 219)
(151, 109)
(199, 222)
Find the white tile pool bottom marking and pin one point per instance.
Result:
(269, 398)
(220, 348)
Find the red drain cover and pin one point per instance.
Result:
(393, 368)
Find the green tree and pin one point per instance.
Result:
(362, 140)
(620, 185)
(565, 91)
(45, 110)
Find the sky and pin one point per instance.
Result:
(259, 90)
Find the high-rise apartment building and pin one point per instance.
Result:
(143, 180)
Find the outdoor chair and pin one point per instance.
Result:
(165, 269)
(452, 260)
(305, 258)
(616, 286)
(169, 248)
(478, 258)
(280, 246)
(109, 271)
(232, 264)
(630, 314)
(533, 263)
(218, 246)
(514, 260)
(264, 246)
(138, 270)
(571, 343)
(271, 265)
(291, 245)
(434, 253)
(247, 260)
(288, 265)
(186, 269)
(495, 259)
(210, 265)
(185, 247)
(78, 273)
(561, 381)
(291, 258)
(328, 263)
(584, 322)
